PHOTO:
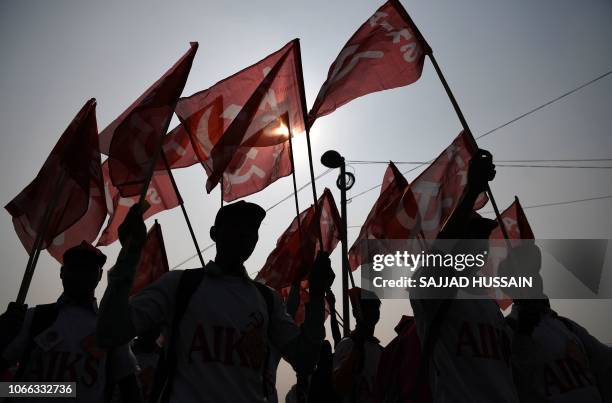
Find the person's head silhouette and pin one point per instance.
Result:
(366, 309)
(236, 232)
(82, 271)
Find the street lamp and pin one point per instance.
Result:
(332, 159)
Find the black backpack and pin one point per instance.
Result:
(166, 367)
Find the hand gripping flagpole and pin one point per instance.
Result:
(451, 97)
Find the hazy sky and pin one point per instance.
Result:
(501, 58)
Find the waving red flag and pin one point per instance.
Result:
(62, 190)
(86, 228)
(153, 263)
(132, 140)
(421, 209)
(254, 168)
(160, 196)
(295, 252)
(241, 110)
(518, 229)
(386, 219)
(177, 149)
(386, 52)
(438, 188)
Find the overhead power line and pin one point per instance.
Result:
(544, 105)
(562, 203)
(373, 162)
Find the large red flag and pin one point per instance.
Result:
(386, 52)
(248, 108)
(295, 251)
(133, 139)
(421, 209)
(153, 263)
(160, 196)
(518, 229)
(68, 180)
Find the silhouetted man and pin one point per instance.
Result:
(465, 340)
(356, 356)
(56, 342)
(555, 360)
(217, 322)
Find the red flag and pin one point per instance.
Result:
(240, 110)
(254, 168)
(386, 52)
(153, 263)
(133, 139)
(160, 196)
(70, 177)
(386, 219)
(86, 228)
(438, 188)
(419, 210)
(177, 149)
(294, 252)
(518, 228)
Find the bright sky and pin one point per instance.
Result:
(501, 59)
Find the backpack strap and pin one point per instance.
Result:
(44, 316)
(166, 368)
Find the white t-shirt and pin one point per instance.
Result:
(471, 357)
(553, 364)
(67, 352)
(222, 337)
(364, 385)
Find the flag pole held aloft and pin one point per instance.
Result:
(429, 52)
(182, 204)
(33, 259)
(74, 163)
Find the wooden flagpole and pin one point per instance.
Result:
(307, 127)
(182, 204)
(429, 52)
(40, 234)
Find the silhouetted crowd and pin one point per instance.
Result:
(213, 334)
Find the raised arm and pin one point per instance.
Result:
(115, 326)
(300, 347)
(335, 327)
(480, 172)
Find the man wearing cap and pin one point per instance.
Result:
(56, 342)
(356, 356)
(219, 324)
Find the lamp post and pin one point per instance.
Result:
(346, 180)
